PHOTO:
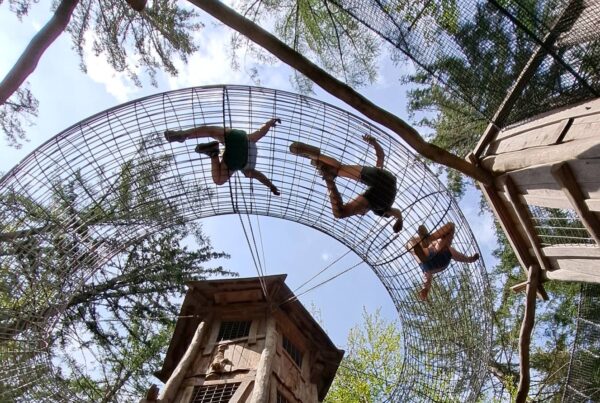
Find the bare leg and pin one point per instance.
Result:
(359, 205)
(220, 172)
(216, 132)
(424, 292)
(444, 236)
(253, 173)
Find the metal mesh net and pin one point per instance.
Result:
(64, 203)
(475, 50)
(559, 227)
(583, 380)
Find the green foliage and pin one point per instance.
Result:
(19, 110)
(113, 300)
(372, 365)
(321, 31)
(130, 41)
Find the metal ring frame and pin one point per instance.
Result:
(446, 343)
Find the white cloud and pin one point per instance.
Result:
(116, 83)
(211, 64)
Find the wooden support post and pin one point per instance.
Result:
(526, 330)
(261, 391)
(525, 221)
(339, 89)
(565, 178)
(168, 393)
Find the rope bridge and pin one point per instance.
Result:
(67, 197)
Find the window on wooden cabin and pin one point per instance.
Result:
(219, 393)
(234, 330)
(293, 351)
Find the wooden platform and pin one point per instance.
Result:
(551, 161)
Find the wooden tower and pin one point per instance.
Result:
(231, 344)
(546, 190)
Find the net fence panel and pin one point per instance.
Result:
(583, 380)
(475, 50)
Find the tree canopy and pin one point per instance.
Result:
(131, 41)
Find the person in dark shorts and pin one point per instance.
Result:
(240, 150)
(434, 252)
(381, 192)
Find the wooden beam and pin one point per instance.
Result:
(261, 394)
(513, 160)
(526, 330)
(339, 89)
(171, 388)
(541, 291)
(524, 220)
(516, 241)
(572, 251)
(567, 181)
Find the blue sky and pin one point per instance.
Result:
(67, 96)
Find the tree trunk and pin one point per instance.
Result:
(36, 48)
(526, 330)
(338, 89)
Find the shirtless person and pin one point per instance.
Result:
(378, 198)
(434, 252)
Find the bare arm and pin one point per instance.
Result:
(378, 149)
(253, 173)
(260, 133)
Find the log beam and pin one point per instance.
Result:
(524, 219)
(567, 181)
(526, 331)
(339, 89)
(261, 391)
(169, 392)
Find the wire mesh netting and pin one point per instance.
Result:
(65, 213)
(559, 227)
(583, 380)
(475, 50)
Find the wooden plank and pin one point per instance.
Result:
(588, 126)
(540, 177)
(576, 111)
(551, 202)
(525, 222)
(253, 331)
(572, 275)
(593, 204)
(582, 149)
(572, 251)
(585, 266)
(546, 135)
(564, 176)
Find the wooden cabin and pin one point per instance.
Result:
(546, 190)
(233, 344)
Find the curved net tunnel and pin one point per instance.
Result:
(68, 195)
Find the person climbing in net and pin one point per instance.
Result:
(240, 150)
(380, 194)
(434, 252)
